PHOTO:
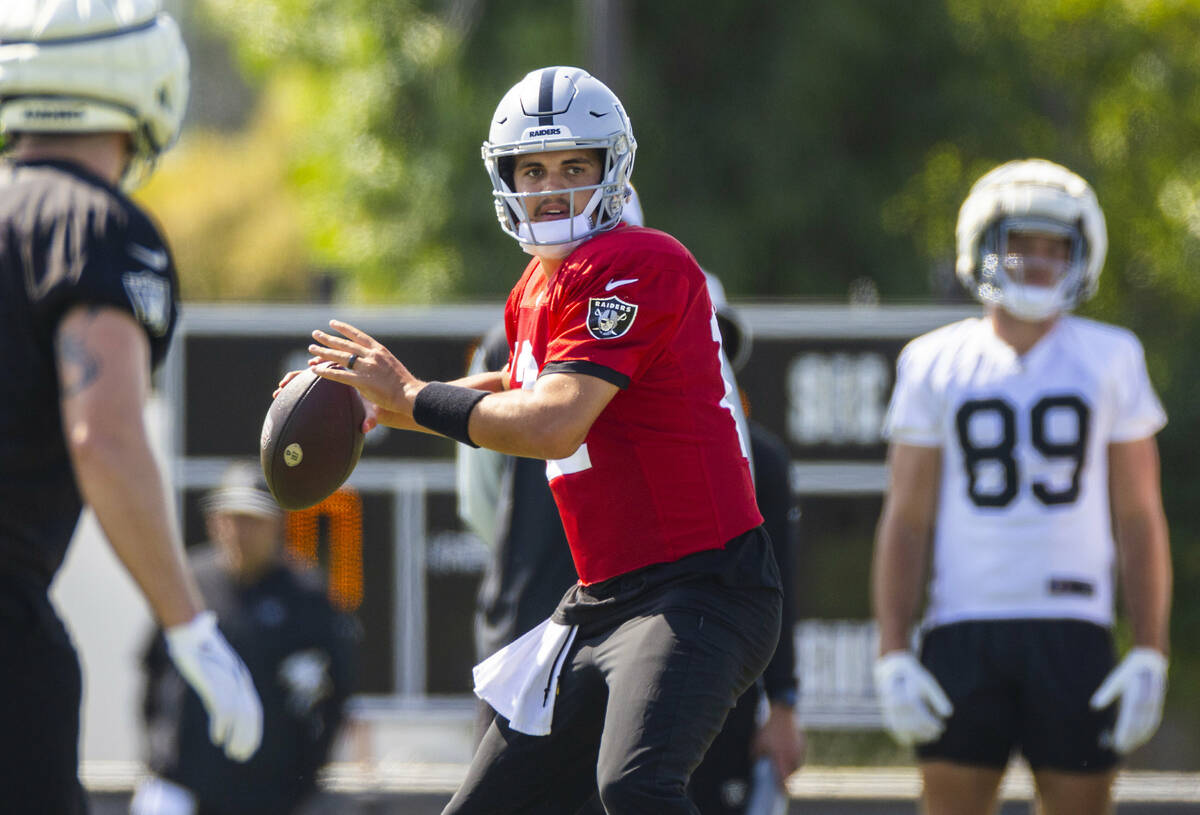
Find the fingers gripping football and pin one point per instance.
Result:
(914, 704)
(207, 662)
(1140, 682)
(367, 365)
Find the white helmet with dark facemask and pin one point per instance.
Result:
(1031, 196)
(92, 67)
(560, 108)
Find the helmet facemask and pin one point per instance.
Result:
(1004, 276)
(593, 207)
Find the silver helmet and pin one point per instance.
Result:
(100, 66)
(560, 108)
(1031, 196)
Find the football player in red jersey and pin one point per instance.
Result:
(614, 379)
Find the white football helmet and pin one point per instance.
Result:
(98, 66)
(1030, 196)
(560, 108)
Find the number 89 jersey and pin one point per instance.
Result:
(1023, 527)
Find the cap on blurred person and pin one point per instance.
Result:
(243, 492)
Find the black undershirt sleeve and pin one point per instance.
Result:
(583, 366)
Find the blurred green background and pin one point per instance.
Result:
(804, 150)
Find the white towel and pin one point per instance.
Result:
(521, 679)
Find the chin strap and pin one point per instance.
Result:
(557, 239)
(554, 251)
(1034, 302)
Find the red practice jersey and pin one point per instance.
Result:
(662, 473)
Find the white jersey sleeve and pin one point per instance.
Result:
(915, 413)
(1139, 414)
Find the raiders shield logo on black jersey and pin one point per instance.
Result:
(150, 295)
(609, 317)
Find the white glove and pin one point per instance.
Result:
(222, 682)
(1140, 681)
(913, 702)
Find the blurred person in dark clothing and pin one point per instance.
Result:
(300, 651)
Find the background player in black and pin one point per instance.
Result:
(87, 306)
(507, 501)
(299, 649)
(762, 725)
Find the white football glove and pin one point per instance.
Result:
(1140, 682)
(222, 682)
(914, 704)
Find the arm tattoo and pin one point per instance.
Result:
(77, 366)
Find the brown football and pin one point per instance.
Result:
(311, 440)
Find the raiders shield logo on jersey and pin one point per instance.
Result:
(609, 317)
(150, 296)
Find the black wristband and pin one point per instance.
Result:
(446, 409)
(786, 696)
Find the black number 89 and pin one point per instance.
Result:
(1002, 450)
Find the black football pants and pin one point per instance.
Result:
(40, 690)
(637, 707)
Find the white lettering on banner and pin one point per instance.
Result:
(527, 367)
(837, 398)
(577, 462)
(834, 666)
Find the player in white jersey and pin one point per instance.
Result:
(1022, 448)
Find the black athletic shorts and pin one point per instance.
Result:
(1022, 685)
(40, 689)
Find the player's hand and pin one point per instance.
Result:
(288, 377)
(1140, 682)
(222, 682)
(914, 704)
(781, 740)
(366, 365)
(371, 413)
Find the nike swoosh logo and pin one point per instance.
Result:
(612, 284)
(156, 259)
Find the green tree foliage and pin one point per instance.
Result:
(376, 84)
(230, 191)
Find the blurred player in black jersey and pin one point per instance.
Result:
(90, 94)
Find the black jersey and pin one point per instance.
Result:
(67, 238)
